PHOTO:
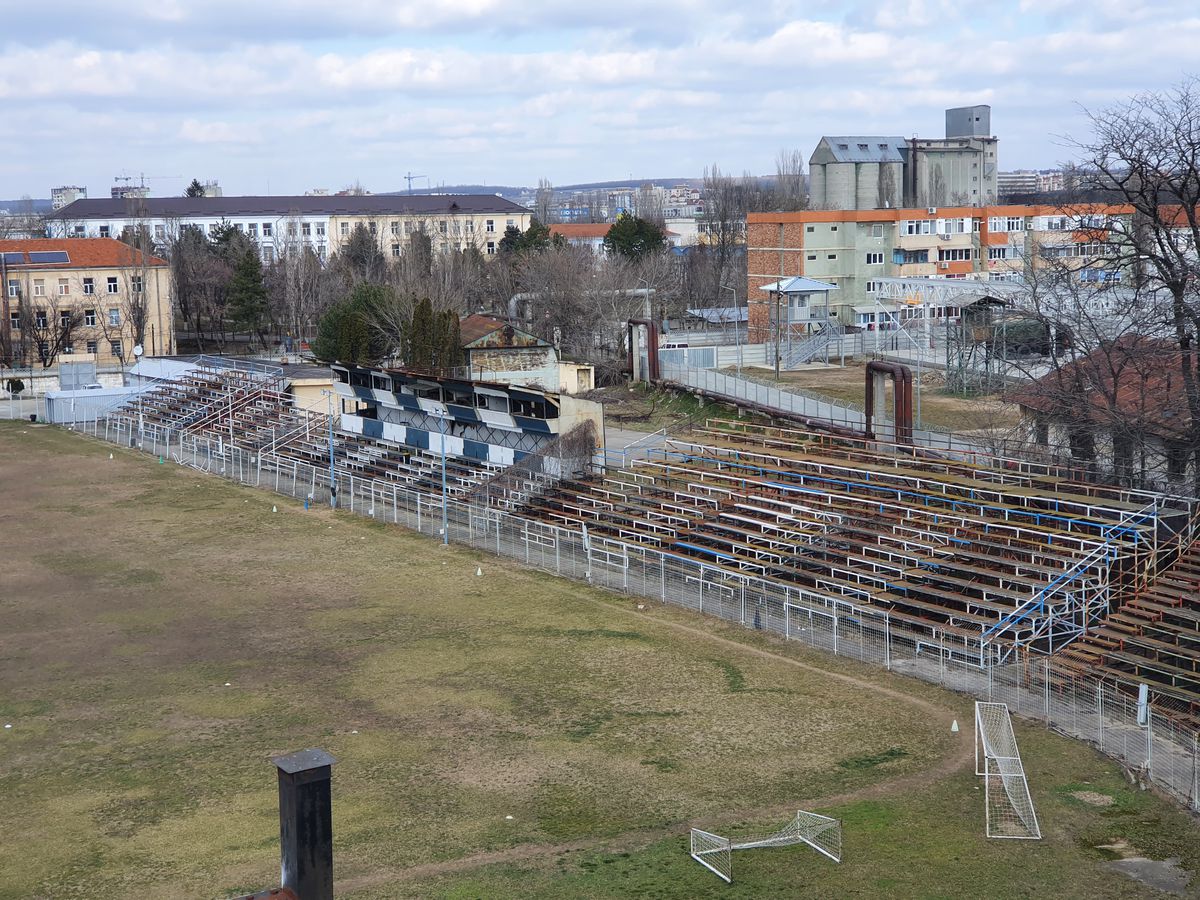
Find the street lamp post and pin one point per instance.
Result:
(445, 516)
(332, 469)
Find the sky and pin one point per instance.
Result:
(283, 97)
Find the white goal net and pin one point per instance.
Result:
(715, 852)
(1009, 808)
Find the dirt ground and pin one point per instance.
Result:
(164, 633)
(939, 409)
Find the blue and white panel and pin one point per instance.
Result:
(422, 439)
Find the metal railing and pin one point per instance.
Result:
(1100, 711)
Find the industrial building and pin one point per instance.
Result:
(883, 172)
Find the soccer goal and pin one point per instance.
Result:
(715, 852)
(1009, 808)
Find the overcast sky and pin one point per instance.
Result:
(281, 97)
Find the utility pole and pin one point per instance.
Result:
(332, 470)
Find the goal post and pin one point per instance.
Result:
(1009, 811)
(715, 852)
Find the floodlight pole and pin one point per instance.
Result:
(737, 324)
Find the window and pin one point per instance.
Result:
(43, 351)
(238, 227)
(812, 257)
(1015, 223)
(91, 347)
(89, 318)
(910, 257)
(510, 222)
(873, 287)
(395, 229)
(266, 229)
(64, 287)
(395, 249)
(874, 259)
(320, 229)
(291, 232)
(64, 319)
(954, 254)
(919, 226)
(112, 284)
(470, 226)
(371, 227)
(268, 253)
(442, 226)
(306, 229)
(80, 231)
(39, 318)
(68, 348)
(160, 233)
(252, 229)
(89, 286)
(103, 231)
(809, 229)
(831, 256)
(833, 228)
(14, 287)
(114, 347)
(344, 229)
(876, 231)
(39, 287)
(491, 248)
(954, 226)
(997, 253)
(135, 283)
(489, 226)
(114, 318)
(14, 320)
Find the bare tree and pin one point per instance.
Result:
(1146, 152)
(790, 191)
(543, 205)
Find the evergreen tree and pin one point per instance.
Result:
(634, 237)
(347, 332)
(195, 189)
(247, 298)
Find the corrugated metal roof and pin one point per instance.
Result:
(229, 207)
(798, 285)
(866, 148)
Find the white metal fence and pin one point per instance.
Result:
(1100, 712)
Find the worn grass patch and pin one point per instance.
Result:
(188, 634)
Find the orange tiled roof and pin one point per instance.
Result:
(581, 230)
(83, 253)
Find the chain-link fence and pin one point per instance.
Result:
(1102, 712)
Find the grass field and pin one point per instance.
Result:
(163, 633)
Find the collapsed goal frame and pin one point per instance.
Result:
(1009, 811)
(715, 851)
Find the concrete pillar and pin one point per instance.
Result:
(306, 824)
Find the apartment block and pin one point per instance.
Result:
(86, 299)
(853, 249)
(320, 222)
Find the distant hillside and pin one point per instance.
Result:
(20, 207)
(505, 190)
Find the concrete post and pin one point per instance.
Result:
(306, 824)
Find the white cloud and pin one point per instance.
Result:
(471, 89)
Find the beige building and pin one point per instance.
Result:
(82, 300)
(285, 224)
